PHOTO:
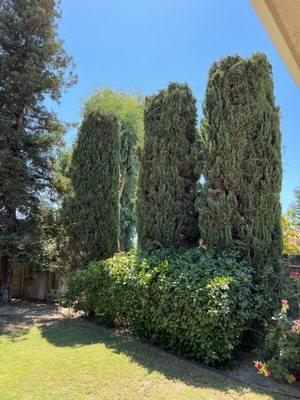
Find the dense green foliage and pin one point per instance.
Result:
(57, 240)
(184, 300)
(166, 215)
(130, 113)
(297, 207)
(239, 207)
(61, 175)
(91, 212)
(289, 233)
(282, 344)
(33, 65)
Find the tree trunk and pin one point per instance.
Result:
(6, 267)
(121, 191)
(122, 241)
(6, 280)
(122, 185)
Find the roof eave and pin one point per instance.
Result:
(272, 22)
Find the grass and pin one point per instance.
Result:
(76, 360)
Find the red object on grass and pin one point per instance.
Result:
(259, 365)
(294, 274)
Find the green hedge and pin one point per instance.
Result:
(184, 300)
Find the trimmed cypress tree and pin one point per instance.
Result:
(130, 113)
(241, 142)
(92, 210)
(166, 215)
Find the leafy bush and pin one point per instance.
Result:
(282, 343)
(274, 285)
(188, 301)
(290, 235)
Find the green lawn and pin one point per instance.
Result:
(77, 360)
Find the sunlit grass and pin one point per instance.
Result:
(77, 360)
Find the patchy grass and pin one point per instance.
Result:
(77, 360)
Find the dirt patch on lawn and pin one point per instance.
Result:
(18, 317)
(35, 311)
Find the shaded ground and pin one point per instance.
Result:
(49, 353)
(246, 373)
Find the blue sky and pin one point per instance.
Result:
(143, 44)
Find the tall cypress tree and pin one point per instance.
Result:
(241, 142)
(33, 65)
(166, 215)
(130, 113)
(91, 212)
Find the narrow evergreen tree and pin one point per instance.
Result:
(130, 113)
(33, 65)
(92, 211)
(166, 215)
(241, 141)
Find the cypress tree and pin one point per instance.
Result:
(92, 211)
(239, 207)
(166, 215)
(130, 113)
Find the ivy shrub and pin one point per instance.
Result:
(183, 300)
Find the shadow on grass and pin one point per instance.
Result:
(83, 333)
(13, 330)
(17, 318)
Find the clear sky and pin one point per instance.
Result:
(143, 44)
